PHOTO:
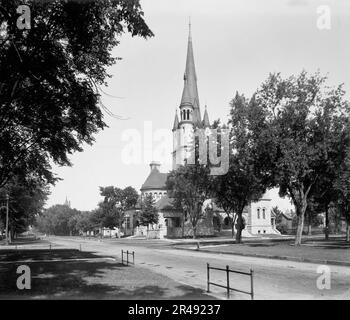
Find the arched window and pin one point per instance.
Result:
(188, 114)
(258, 213)
(264, 215)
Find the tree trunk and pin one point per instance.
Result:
(299, 229)
(239, 228)
(183, 226)
(326, 229)
(194, 228)
(300, 210)
(309, 227)
(233, 225)
(348, 231)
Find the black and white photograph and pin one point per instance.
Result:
(195, 152)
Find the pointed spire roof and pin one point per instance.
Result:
(206, 122)
(176, 122)
(190, 91)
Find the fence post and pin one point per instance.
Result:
(208, 277)
(79, 247)
(252, 283)
(127, 257)
(122, 257)
(228, 281)
(133, 257)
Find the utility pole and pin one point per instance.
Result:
(7, 219)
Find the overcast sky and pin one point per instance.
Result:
(236, 45)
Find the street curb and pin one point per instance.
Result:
(287, 258)
(232, 241)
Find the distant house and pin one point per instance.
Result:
(257, 217)
(283, 222)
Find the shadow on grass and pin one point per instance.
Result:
(96, 278)
(27, 241)
(254, 245)
(43, 254)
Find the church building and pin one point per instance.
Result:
(257, 215)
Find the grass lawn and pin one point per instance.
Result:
(72, 274)
(334, 249)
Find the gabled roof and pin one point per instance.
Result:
(286, 214)
(155, 180)
(165, 203)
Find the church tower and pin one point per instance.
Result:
(190, 114)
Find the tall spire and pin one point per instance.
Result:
(206, 122)
(190, 91)
(176, 121)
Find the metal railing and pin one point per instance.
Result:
(127, 253)
(227, 287)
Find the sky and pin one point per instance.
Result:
(236, 43)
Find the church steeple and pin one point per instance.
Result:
(176, 122)
(190, 116)
(206, 122)
(190, 96)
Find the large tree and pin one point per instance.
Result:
(342, 187)
(26, 200)
(149, 214)
(58, 220)
(190, 186)
(114, 205)
(302, 129)
(84, 221)
(246, 179)
(50, 78)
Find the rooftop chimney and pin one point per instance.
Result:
(154, 165)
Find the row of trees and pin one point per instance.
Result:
(63, 220)
(294, 134)
(50, 78)
(27, 198)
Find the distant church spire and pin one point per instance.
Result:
(176, 121)
(190, 91)
(206, 122)
(67, 203)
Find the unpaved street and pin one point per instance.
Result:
(274, 279)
